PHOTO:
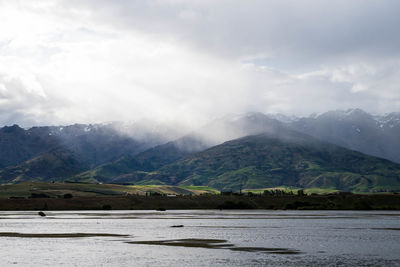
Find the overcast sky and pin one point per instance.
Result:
(96, 60)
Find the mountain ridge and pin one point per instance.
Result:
(305, 163)
(101, 153)
(355, 129)
(209, 135)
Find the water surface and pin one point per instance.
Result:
(202, 238)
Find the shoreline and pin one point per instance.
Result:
(137, 202)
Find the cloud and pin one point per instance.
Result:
(287, 29)
(93, 61)
(21, 98)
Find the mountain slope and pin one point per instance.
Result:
(286, 158)
(93, 144)
(54, 165)
(18, 145)
(132, 168)
(355, 129)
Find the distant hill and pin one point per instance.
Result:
(51, 166)
(286, 158)
(18, 145)
(93, 144)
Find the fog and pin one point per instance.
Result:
(64, 62)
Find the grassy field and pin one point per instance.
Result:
(202, 189)
(59, 189)
(55, 190)
(319, 191)
(74, 196)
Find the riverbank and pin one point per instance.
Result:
(137, 202)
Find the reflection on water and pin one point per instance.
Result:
(206, 238)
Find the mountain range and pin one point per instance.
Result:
(343, 150)
(355, 129)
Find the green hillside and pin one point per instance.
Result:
(133, 168)
(54, 165)
(287, 159)
(283, 158)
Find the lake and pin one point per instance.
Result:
(200, 238)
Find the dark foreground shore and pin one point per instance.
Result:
(291, 202)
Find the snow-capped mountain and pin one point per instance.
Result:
(355, 129)
(92, 144)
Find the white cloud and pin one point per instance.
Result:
(92, 61)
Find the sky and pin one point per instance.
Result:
(89, 61)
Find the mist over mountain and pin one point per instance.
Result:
(220, 130)
(164, 74)
(277, 158)
(284, 158)
(331, 166)
(148, 152)
(355, 129)
(92, 144)
(194, 60)
(200, 104)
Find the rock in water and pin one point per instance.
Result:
(41, 213)
(161, 209)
